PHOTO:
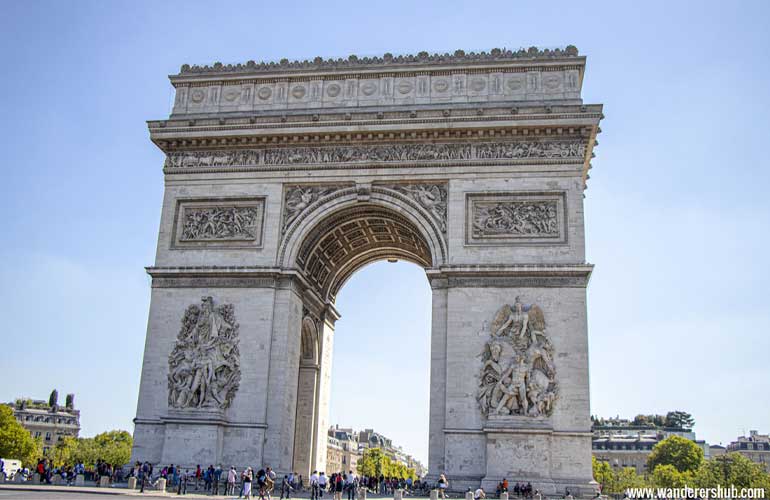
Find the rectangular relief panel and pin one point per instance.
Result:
(516, 218)
(230, 223)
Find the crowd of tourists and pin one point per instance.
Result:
(46, 473)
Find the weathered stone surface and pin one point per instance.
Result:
(280, 186)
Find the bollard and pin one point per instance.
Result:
(2, 477)
(362, 493)
(104, 481)
(398, 495)
(468, 495)
(56, 480)
(504, 495)
(433, 494)
(132, 483)
(161, 486)
(36, 478)
(80, 480)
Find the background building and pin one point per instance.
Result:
(628, 443)
(755, 447)
(346, 447)
(46, 419)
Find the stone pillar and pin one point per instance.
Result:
(436, 436)
(161, 486)
(306, 411)
(281, 394)
(362, 492)
(104, 481)
(132, 483)
(504, 495)
(326, 343)
(2, 477)
(80, 480)
(433, 494)
(398, 494)
(468, 495)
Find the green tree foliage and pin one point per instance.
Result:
(627, 478)
(375, 463)
(15, 440)
(667, 476)
(679, 419)
(602, 473)
(732, 469)
(681, 453)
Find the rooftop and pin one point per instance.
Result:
(387, 60)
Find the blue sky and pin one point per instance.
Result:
(677, 212)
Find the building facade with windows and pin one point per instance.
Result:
(755, 447)
(50, 423)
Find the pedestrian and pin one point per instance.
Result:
(479, 494)
(248, 476)
(286, 487)
(232, 474)
(314, 486)
(443, 484)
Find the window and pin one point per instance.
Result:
(47, 436)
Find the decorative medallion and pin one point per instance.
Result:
(518, 375)
(264, 93)
(441, 85)
(368, 88)
(197, 95)
(204, 366)
(298, 92)
(404, 87)
(333, 90)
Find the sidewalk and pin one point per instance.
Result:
(149, 493)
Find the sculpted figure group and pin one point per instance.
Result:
(518, 376)
(204, 366)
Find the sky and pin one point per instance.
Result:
(677, 215)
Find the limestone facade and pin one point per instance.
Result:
(281, 180)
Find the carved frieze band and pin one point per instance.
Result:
(515, 218)
(219, 223)
(572, 150)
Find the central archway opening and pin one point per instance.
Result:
(375, 378)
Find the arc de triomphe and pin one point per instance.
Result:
(282, 179)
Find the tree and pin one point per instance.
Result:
(732, 469)
(667, 476)
(114, 446)
(679, 420)
(627, 478)
(680, 452)
(602, 474)
(15, 441)
(53, 398)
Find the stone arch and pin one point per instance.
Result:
(344, 231)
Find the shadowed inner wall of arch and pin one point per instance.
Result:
(354, 237)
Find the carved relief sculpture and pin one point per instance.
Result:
(431, 197)
(220, 223)
(204, 366)
(298, 198)
(517, 218)
(518, 150)
(517, 376)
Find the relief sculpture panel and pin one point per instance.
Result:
(204, 366)
(233, 223)
(515, 218)
(517, 376)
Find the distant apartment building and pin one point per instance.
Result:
(625, 445)
(49, 422)
(755, 447)
(346, 447)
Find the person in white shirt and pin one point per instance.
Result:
(232, 475)
(479, 494)
(321, 484)
(314, 486)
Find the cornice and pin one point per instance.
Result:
(385, 62)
